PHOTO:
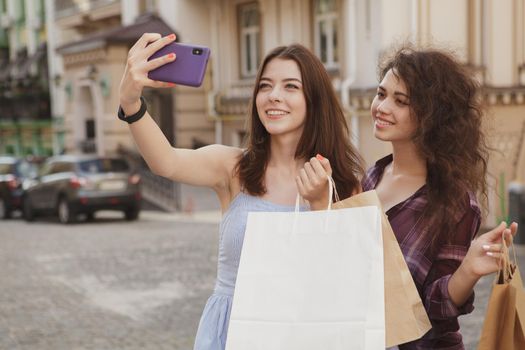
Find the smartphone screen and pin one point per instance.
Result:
(187, 69)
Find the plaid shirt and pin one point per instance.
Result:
(431, 271)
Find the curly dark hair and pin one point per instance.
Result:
(325, 131)
(446, 103)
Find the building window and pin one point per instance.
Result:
(4, 42)
(41, 12)
(20, 13)
(90, 129)
(249, 30)
(325, 32)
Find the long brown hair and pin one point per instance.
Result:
(325, 131)
(446, 104)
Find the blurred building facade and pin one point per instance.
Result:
(89, 41)
(25, 119)
(350, 35)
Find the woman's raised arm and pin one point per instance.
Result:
(209, 166)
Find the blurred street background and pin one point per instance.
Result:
(127, 261)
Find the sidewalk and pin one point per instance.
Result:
(199, 204)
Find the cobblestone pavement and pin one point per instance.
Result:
(106, 284)
(110, 284)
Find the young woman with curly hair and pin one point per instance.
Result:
(294, 115)
(428, 107)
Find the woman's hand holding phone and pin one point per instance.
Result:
(135, 76)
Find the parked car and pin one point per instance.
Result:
(69, 185)
(13, 172)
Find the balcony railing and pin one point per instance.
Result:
(158, 190)
(88, 146)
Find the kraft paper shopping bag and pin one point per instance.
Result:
(504, 325)
(406, 318)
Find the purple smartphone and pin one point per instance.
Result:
(187, 69)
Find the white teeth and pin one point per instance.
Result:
(382, 122)
(276, 112)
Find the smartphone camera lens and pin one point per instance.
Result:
(197, 52)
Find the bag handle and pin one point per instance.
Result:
(506, 271)
(332, 190)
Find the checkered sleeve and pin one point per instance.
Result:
(436, 297)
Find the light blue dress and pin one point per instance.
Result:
(213, 326)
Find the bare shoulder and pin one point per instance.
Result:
(229, 158)
(225, 159)
(227, 155)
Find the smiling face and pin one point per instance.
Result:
(280, 100)
(391, 112)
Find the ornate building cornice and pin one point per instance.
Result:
(360, 99)
(504, 96)
(86, 57)
(234, 100)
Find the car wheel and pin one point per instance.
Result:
(5, 213)
(28, 211)
(65, 211)
(132, 214)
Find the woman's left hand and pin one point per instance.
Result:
(485, 252)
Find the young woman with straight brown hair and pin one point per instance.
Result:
(294, 115)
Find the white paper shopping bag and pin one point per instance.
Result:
(310, 280)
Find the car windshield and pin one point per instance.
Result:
(96, 166)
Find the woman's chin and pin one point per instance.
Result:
(381, 135)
